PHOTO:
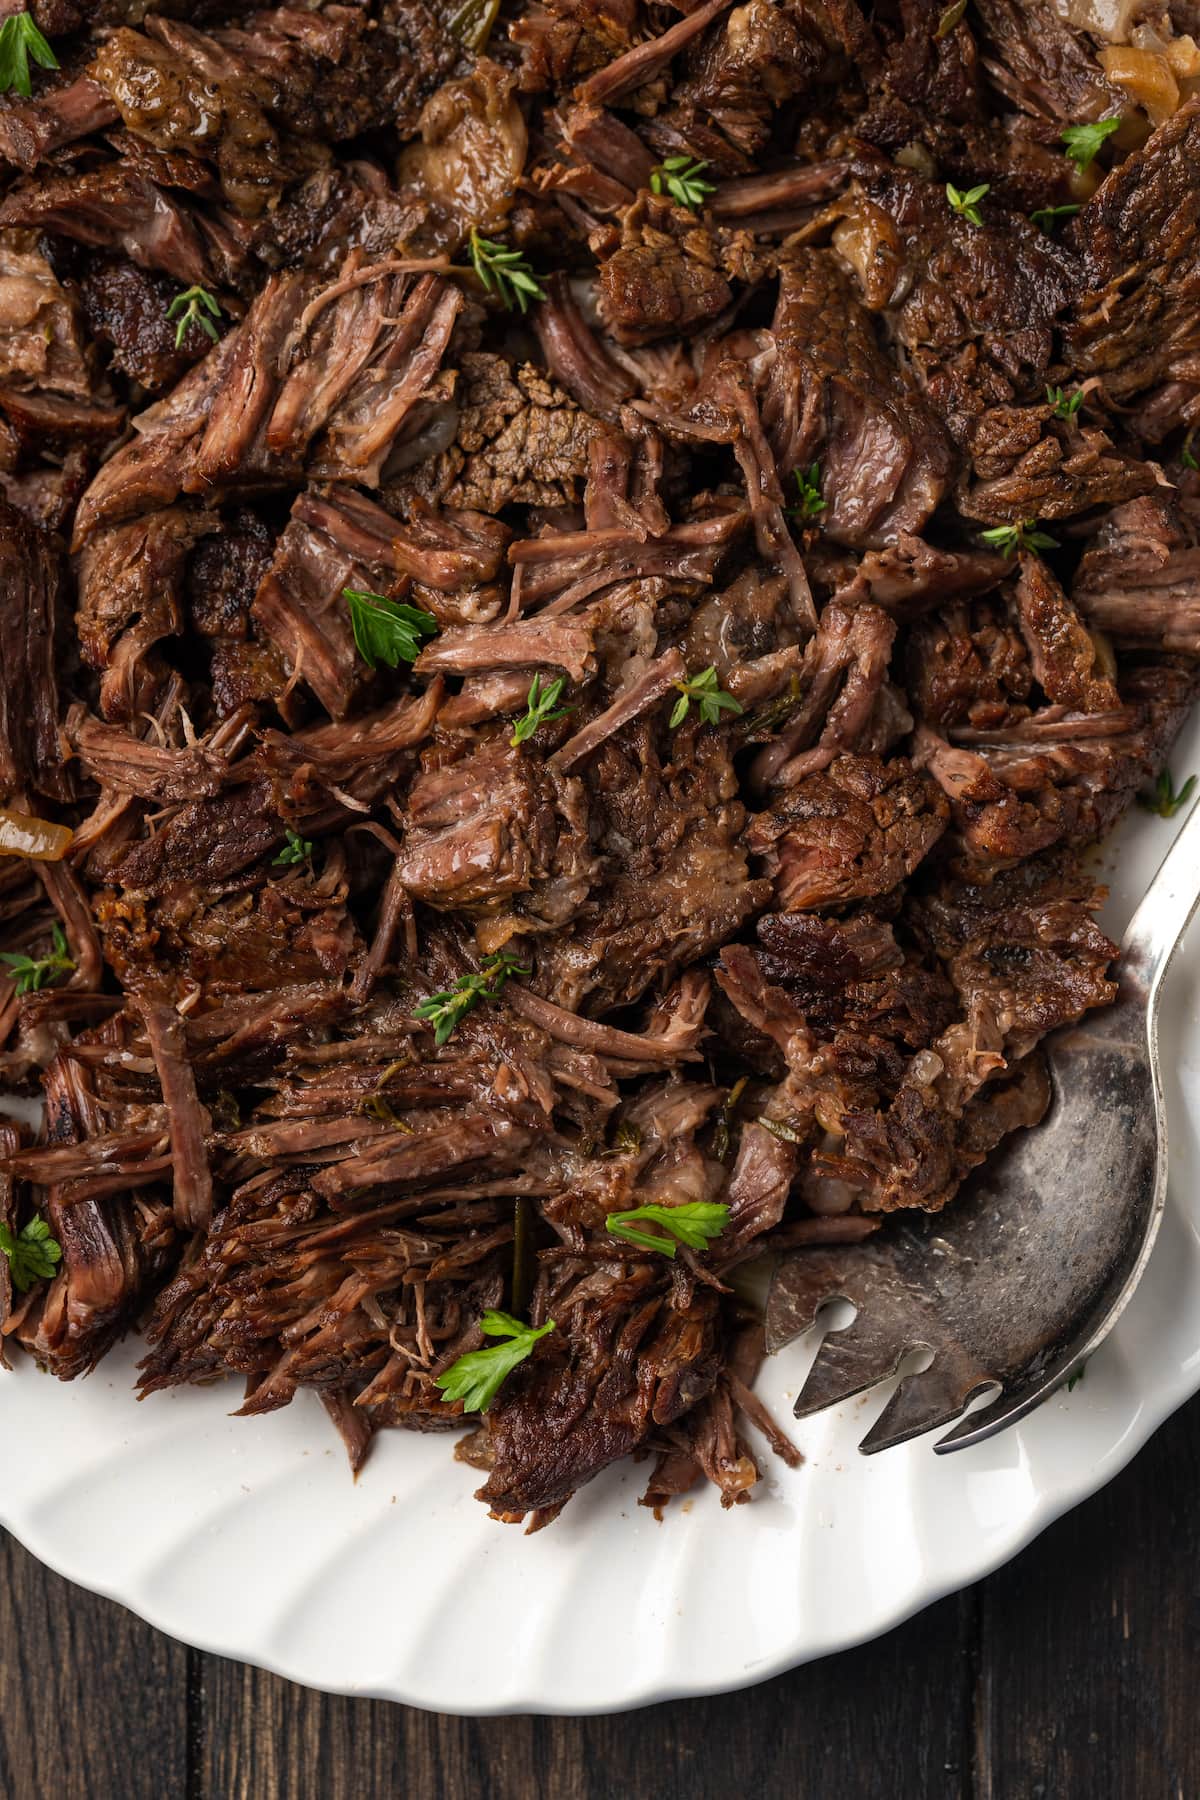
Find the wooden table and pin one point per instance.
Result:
(1074, 1674)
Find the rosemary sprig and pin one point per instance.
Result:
(29, 973)
(504, 272)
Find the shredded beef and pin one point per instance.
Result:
(570, 606)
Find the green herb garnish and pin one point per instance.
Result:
(950, 18)
(810, 504)
(722, 1135)
(32, 1254)
(473, 22)
(1187, 455)
(445, 1010)
(965, 202)
(1024, 535)
(1164, 800)
(193, 307)
(695, 1224)
(298, 849)
(680, 177)
(710, 699)
(387, 631)
(29, 973)
(787, 1134)
(19, 40)
(1074, 1379)
(1083, 141)
(1065, 405)
(542, 703)
(504, 272)
(627, 1140)
(477, 1377)
(1046, 217)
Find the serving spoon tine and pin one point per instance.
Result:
(1020, 1279)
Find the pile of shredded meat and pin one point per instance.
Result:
(788, 391)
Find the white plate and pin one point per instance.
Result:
(248, 1538)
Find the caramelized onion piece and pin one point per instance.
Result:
(867, 240)
(39, 839)
(1146, 76)
(468, 160)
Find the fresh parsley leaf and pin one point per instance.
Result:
(810, 504)
(1187, 455)
(19, 40)
(710, 699)
(950, 18)
(477, 1377)
(387, 631)
(966, 202)
(504, 272)
(193, 307)
(695, 1224)
(29, 973)
(1065, 405)
(680, 177)
(32, 1254)
(473, 22)
(1024, 535)
(444, 1011)
(1083, 141)
(1046, 217)
(1164, 800)
(297, 850)
(542, 702)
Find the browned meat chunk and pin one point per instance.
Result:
(851, 833)
(834, 398)
(664, 279)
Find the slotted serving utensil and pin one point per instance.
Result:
(1020, 1279)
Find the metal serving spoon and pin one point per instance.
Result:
(1026, 1272)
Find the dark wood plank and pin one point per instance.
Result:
(1070, 1674)
(93, 1704)
(1091, 1642)
(893, 1717)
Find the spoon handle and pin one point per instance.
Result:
(1156, 927)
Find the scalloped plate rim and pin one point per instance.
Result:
(1031, 1527)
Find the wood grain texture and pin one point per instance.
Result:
(1090, 1643)
(93, 1703)
(1071, 1675)
(804, 1733)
